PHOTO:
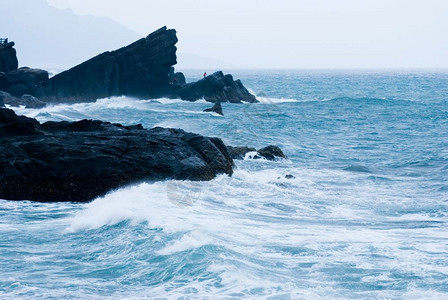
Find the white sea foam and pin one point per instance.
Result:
(269, 100)
(324, 233)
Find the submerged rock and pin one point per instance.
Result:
(217, 108)
(8, 57)
(78, 161)
(217, 88)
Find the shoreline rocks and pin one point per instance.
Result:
(24, 81)
(79, 161)
(216, 88)
(270, 152)
(26, 100)
(143, 70)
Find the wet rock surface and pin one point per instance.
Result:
(78, 161)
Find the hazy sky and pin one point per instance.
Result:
(292, 33)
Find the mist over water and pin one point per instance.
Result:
(364, 214)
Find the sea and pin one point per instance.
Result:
(358, 210)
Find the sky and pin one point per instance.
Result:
(293, 34)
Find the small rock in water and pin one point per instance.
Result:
(271, 152)
(217, 108)
(239, 152)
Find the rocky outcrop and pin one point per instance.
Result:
(24, 81)
(216, 88)
(217, 108)
(26, 100)
(239, 152)
(270, 152)
(78, 161)
(143, 69)
(8, 57)
(140, 70)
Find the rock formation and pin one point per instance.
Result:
(26, 100)
(24, 81)
(8, 57)
(217, 108)
(143, 69)
(217, 87)
(239, 152)
(78, 161)
(270, 152)
(140, 70)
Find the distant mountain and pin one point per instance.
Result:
(51, 38)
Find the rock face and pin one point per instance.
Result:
(8, 57)
(78, 161)
(217, 108)
(140, 70)
(143, 69)
(217, 88)
(24, 81)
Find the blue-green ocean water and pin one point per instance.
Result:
(365, 216)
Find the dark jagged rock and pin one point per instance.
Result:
(26, 100)
(78, 161)
(12, 125)
(217, 88)
(140, 70)
(24, 81)
(271, 152)
(239, 152)
(8, 57)
(217, 108)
